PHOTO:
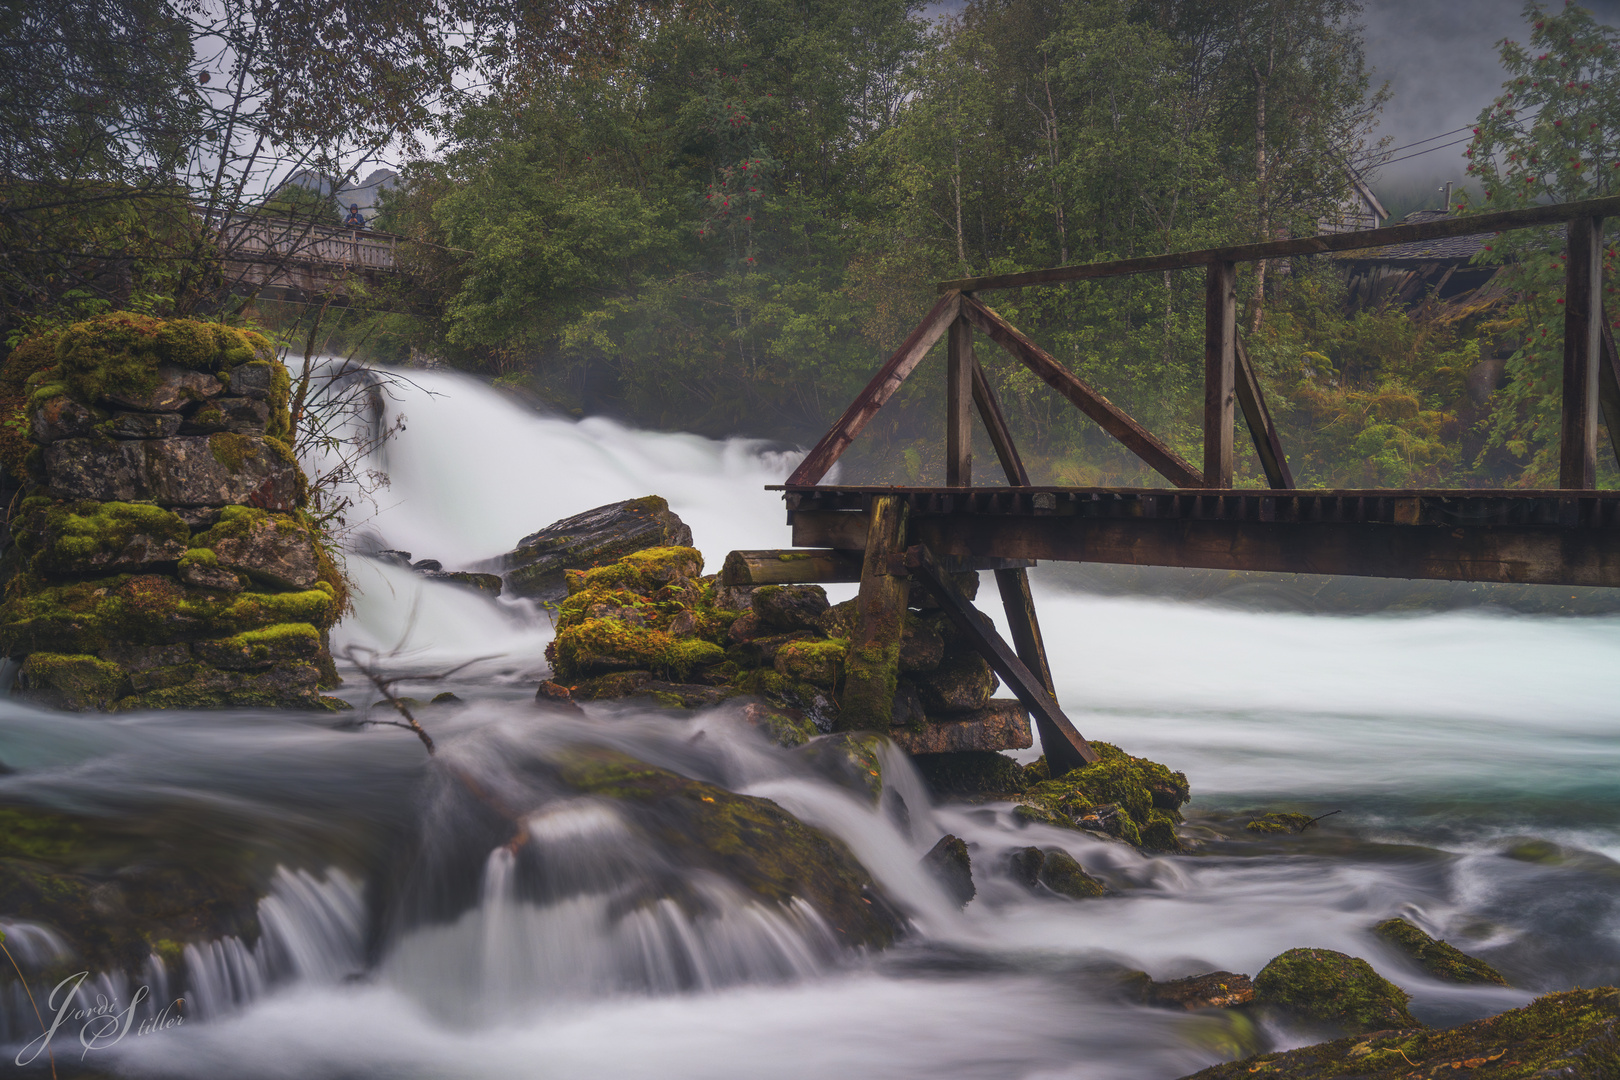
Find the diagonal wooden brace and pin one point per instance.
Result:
(1065, 747)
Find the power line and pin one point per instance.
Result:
(1420, 153)
(1431, 138)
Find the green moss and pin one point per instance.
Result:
(750, 841)
(280, 426)
(1278, 822)
(598, 645)
(1158, 833)
(144, 609)
(1064, 876)
(1437, 958)
(271, 644)
(43, 837)
(1332, 989)
(78, 682)
(1570, 1034)
(231, 450)
(642, 572)
(80, 536)
(818, 662)
(200, 556)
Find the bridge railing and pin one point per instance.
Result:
(1591, 369)
(269, 238)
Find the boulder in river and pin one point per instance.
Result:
(1323, 988)
(750, 841)
(1573, 1035)
(1444, 962)
(952, 866)
(535, 568)
(1213, 990)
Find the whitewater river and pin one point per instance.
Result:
(1473, 760)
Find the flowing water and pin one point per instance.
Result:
(1471, 758)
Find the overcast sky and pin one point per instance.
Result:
(1440, 59)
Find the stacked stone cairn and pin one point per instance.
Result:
(649, 624)
(161, 556)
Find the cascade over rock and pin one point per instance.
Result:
(536, 567)
(161, 557)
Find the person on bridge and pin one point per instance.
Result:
(355, 220)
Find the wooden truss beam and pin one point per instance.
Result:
(1258, 418)
(1110, 417)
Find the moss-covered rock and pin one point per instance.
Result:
(786, 608)
(950, 863)
(750, 841)
(91, 538)
(1436, 957)
(1332, 990)
(786, 728)
(1279, 822)
(972, 772)
(961, 683)
(850, 760)
(274, 549)
(75, 682)
(1573, 1035)
(536, 568)
(255, 650)
(1062, 874)
(602, 645)
(820, 663)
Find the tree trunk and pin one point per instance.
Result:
(956, 184)
(1052, 151)
(1262, 207)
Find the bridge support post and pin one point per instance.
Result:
(959, 405)
(872, 672)
(1583, 308)
(1220, 392)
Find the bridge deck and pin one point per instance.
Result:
(1562, 537)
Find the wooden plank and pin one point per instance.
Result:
(1267, 445)
(877, 392)
(791, 566)
(1609, 387)
(872, 671)
(995, 422)
(1065, 747)
(1529, 555)
(1019, 605)
(1470, 225)
(1220, 341)
(1112, 419)
(958, 405)
(1583, 308)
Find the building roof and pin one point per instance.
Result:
(1447, 249)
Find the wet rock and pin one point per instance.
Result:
(1330, 989)
(197, 517)
(427, 564)
(734, 598)
(616, 684)
(183, 471)
(1024, 866)
(267, 547)
(1000, 725)
(61, 418)
(761, 651)
(971, 773)
(1574, 1035)
(134, 425)
(962, 684)
(789, 608)
(488, 584)
(683, 695)
(751, 842)
(446, 698)
(289, 686)
(535, 568)
(907, 711)
(203, 573)
(848, 759)
(922, 647)
(401, 559)
(1062, 873)
(143, 658)
(77, 683)
(1445, 962)
(1215, 990)
(239, 414)
(175, 387)
(1278, 822)
(949, 862)
(1117, 795)
(781, 726)
(253, 380)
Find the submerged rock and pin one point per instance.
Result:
(1215, 990)
(750, 841)
(949, 862)
(1279, 822)
(848, 759)
(1330, 989)
(1436, 957)
(1053, 870)
(535, 568)
(1129, 798)
(1573, 1035)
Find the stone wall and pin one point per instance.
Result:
(161, 556)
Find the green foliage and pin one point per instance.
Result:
(1553, 134)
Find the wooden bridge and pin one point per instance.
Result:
(890, 537)
(292, 259)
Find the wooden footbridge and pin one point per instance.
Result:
(889, 537)
(297, 259)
